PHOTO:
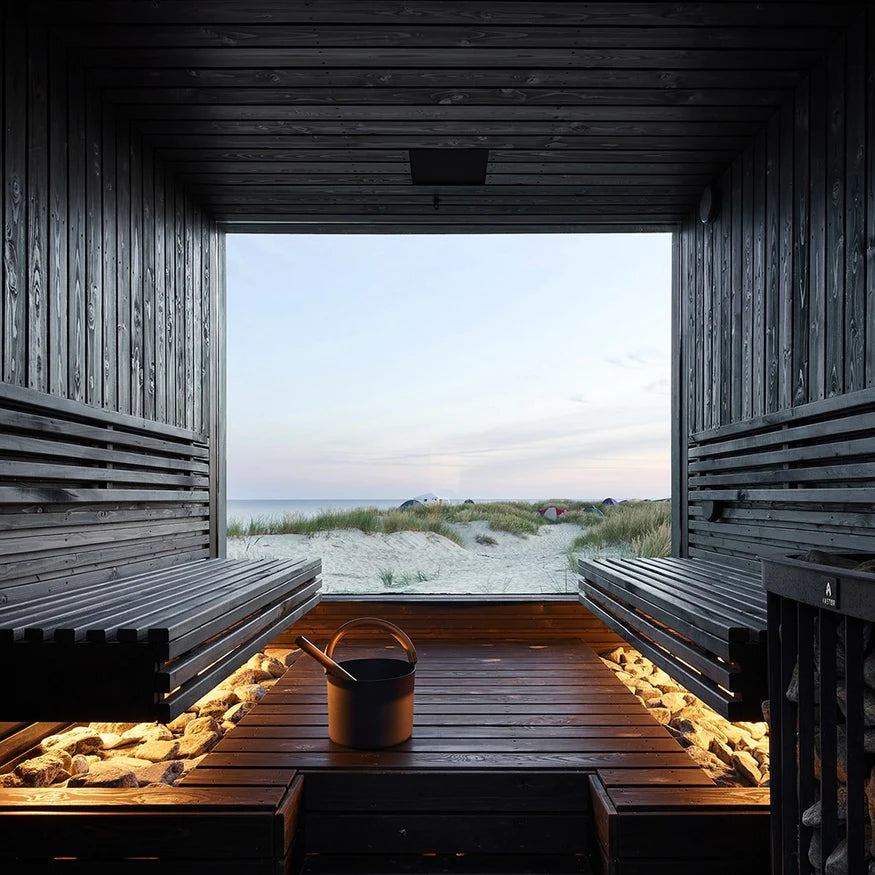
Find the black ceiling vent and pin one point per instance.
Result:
(448, 166)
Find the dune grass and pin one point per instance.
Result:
(655, 543)
(515, 517)
(365, 519)
(644, 526)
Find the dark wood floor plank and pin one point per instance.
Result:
(544, 714)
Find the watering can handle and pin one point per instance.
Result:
(398, 634)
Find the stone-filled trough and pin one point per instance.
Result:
(733, 754)
(118, 754)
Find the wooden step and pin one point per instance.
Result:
(452, 864)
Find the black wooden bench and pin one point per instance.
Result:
(110, 605)
(146, 647)
(701, 622)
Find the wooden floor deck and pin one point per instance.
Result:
(523, 743)
(495, 705)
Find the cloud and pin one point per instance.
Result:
(658, 387)
(578, 399)
(639, 358)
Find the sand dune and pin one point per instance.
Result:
(423, 562)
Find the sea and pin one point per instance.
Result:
(247, 509)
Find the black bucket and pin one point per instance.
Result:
(376, 709)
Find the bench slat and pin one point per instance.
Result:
(186, 667)
(232, 603)
(175, 704)
(73, 616)
(37, 608)
(721, 701)
(183, 592)
(701, 611)
(721, 673)
(672, 610)
(617, 592)
(745, 597)
(740, 583)
(99, 625)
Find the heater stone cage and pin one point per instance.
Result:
(822, 701)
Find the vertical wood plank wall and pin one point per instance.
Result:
(108, 284)
(111, 297)
(777, 293)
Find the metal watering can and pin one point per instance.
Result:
(370, 701)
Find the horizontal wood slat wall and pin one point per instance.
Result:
(89, 494)
(777, 293)
(787, 482)
(106, 295)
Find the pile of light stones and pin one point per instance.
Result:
(733, 754)
(143, 754)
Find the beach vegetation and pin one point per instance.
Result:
(387, 577)
(366, 519)
(643, 526)
(655, 543)
(390, 579)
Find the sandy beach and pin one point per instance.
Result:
(424, 562)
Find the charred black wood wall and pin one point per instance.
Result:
(111, 293)
(775, 320)
(108, 264)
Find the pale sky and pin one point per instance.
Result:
(487, 366)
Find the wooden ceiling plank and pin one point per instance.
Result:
(519, 210)
(787, 36)
(508, 13)
(478, 134)
(522, 58)
(245, 162)
(508, 179)
(461, 224)
(271, 225)
(373, 208)
(186, 78)
(648, 190)
(560, 165)
(350, 113)
(211, 99)
(301, 148)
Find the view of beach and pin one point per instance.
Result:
(446, 364)
(493, 547)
